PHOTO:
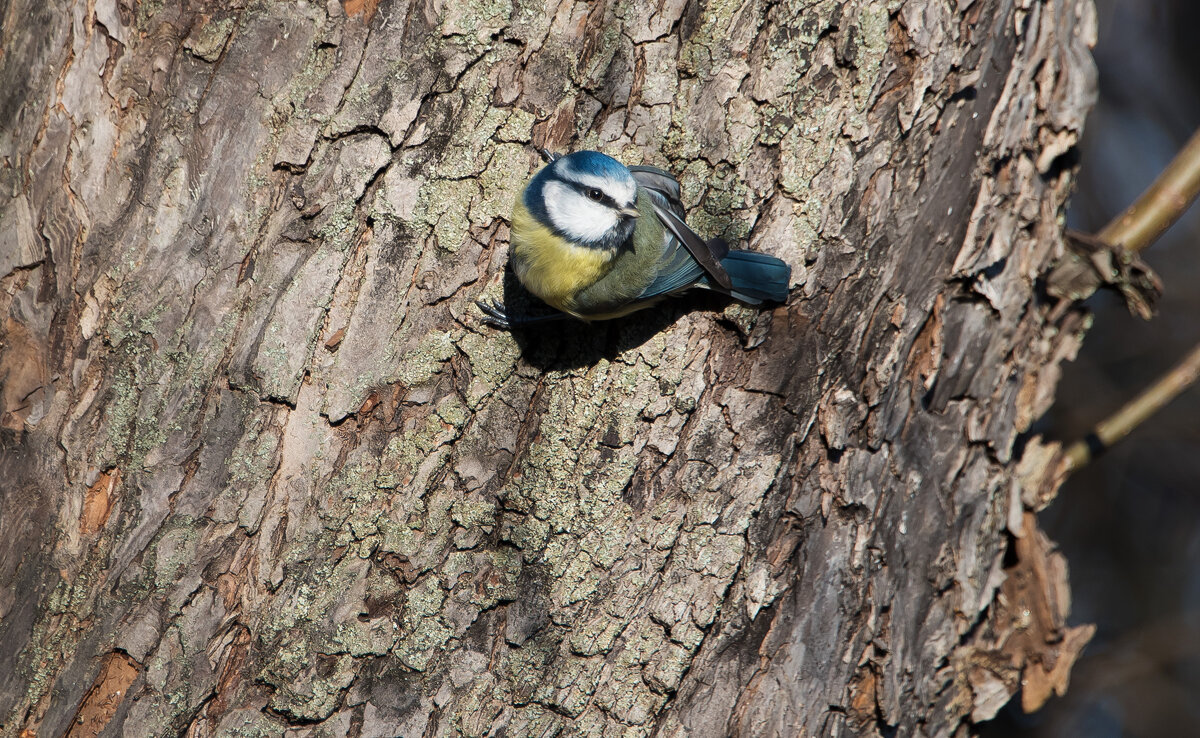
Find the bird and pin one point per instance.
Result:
(595, 239)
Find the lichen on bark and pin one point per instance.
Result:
(270, 471)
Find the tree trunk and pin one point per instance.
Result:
(265, 470)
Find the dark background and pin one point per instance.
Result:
(1129, 523)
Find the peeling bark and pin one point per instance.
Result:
(265, 470)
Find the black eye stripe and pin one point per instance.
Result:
(591, 192)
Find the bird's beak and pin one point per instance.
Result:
(629, 212)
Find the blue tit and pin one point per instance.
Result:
(596, 240)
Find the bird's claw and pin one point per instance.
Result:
(494, 313)
(549, 155)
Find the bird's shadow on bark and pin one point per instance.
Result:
(574, 344)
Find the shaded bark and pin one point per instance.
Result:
(265, 469)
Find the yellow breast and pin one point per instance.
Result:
(549, 266)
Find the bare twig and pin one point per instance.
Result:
(1137, 410)
(1161, 205)
(1139, 226)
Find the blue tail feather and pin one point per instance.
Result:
(757, 277)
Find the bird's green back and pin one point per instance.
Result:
(633, 269)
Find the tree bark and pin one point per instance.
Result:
(265, 470)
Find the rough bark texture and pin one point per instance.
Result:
(264, 469)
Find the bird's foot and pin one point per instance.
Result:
(494, 313)
(549, 155)
(497, 315)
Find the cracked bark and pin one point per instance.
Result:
(265, 471)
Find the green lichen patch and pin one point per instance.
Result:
(413, 456)
(493, 360)
(444, 204)
(502, 182)
(597, 634)
(173, 552)
(871, 49)
(308, 684)
(207, 42)
(479, 20)
(474, 513)
(625, 694)
(517, 128)
(417, 366)
(423, 632)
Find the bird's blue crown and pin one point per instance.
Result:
(579, 171)
(593, 162)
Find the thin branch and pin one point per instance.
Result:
(1160, 205)
(1136, 411)
(1163, 203)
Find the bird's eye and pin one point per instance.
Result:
(595, 194)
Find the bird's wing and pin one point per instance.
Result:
(662, 183)
(665, 195)
(676, 270)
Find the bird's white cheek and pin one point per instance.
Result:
(578, 217)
